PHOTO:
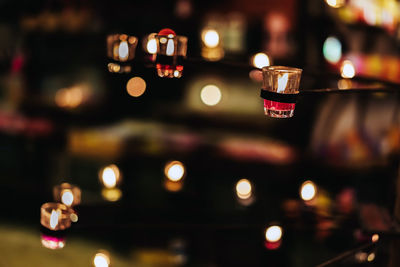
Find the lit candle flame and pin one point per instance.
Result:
(123, 51)
(67, 197)
(282, 82)
(175, 171)
(55, 214)
(151, 46)
(243, 189)
(170, 47)
(110, 176)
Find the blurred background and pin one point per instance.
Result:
(189, 171)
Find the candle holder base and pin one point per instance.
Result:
(279, 113)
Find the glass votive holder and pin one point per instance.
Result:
(280, 90)
(68, 194)
(171, 52)
(55, 216)
(121, 49)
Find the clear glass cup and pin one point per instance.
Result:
(171, 51)
(121, 50)
(280, 90)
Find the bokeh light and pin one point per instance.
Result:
(110, 176)
(243, 189)
(210, 38)
(210, 95)
(151, 45)
(347, 69)
(332, 50)
(136, 86)
(375, 238)
(260, 60)
(69, 97)
(308, 191)
(101, 259)
(67, 197)
(335, 3)
(174, 171)
(273, 233)
(371, 257)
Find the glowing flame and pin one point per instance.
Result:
(347, 69)
(210, 38)
(151, 46)
(101, 260)
(243, 189)
(260, 60)
(308, 190)
(273, 233)
(282, 82)
(110, 176)
(67, 197)
(175, 171)
(123, 51)
(55, 214)
(170, 47)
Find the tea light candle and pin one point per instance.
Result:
(55, 216)
(68, 194)
(171, 51)
(280, 90)
(121, 49)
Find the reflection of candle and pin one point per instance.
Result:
(67, 194)
(52, 242)
(55, 216)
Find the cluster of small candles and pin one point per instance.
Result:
(57, 217)
(167, 50)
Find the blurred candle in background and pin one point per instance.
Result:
(121, 49)
(68, 194)
(110, 178)
(174, 174)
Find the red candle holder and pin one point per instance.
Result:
(171, 51)
(280, 90)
